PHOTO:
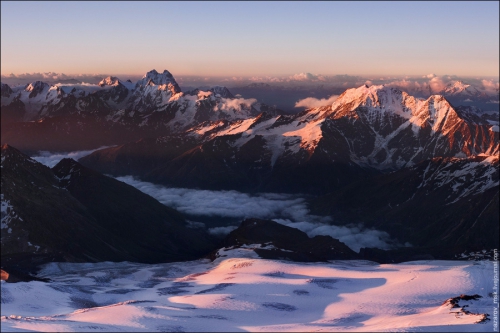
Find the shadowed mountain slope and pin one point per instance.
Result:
(72, 213)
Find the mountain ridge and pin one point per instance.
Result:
(368, 129)
(72, 213)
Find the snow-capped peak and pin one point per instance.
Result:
(109, 81)
(456, 87)
(459, 87)
(157, 79)
(36, 86)
(365, 93)
(377, 97)
(222, 91)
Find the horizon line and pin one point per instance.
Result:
(8, 76)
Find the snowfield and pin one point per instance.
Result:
(240, 292)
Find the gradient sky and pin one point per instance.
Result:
(251, 38)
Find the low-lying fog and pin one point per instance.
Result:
(222, 211)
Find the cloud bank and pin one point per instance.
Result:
(354, 235)
(306, 77)
(61, 78)
(288, 209)
(231, 204)
(235, 104)
(311, 102)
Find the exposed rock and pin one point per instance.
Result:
(289, 243)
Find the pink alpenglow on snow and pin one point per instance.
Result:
(240, 292)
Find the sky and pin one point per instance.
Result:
(251, 38)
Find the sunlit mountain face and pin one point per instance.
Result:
(246, 199)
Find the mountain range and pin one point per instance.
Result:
(51, 117)
(367, 130)
(422, 169)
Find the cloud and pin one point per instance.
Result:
(51, 159)
(221, 231)
(195, 225)
(51, 77)
(231, 204)
(301, 77)
(490, 86)
(306, 77)
(287, 209)
(408, 85)
(311, 102)
(354, 236)
(437, 84)
(38, 76)
(266, 79)
(235, 103)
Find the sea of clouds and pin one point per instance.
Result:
(288, 209)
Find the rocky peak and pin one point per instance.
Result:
(373, 101)
(6, 91)
(221, 91)
(456, 87)
(67, 170)
(461, 88)
(66, 166)
(109, 81)
(15, 163)
(437, 109)
(37, 85)
(164, 81)
(371, 96)
(11, 153)
(35, 88)
(156, 78)
(287, 242)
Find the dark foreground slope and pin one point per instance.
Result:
(71, 213)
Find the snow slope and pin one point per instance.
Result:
(240, 292)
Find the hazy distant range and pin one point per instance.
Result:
(294, 93)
